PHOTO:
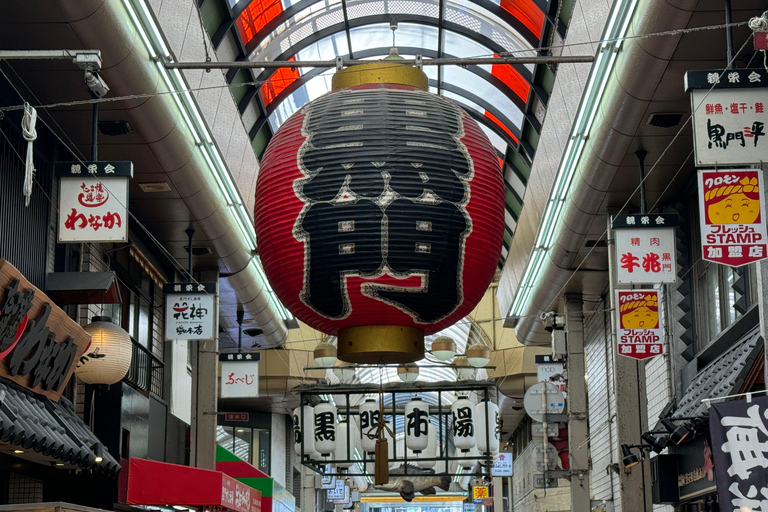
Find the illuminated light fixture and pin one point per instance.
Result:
(408, 372)
(677, 434)
(343, 371)
(478, 355)
(325, 354)
(98, 452)
(18, 451)
(109, 355)
(616, 30)
(463, 369)
(630, 459)
(59, 464)
(443, 348)
(656, 444)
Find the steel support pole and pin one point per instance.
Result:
(578, 429)
(631, 407)
(471, 61)
(205, 371)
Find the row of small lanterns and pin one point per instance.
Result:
(476, 356)
(330, 439)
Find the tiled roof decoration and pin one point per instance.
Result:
(722, 377)
(53, 429)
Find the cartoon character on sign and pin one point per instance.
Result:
(640, 314)
(733, 204)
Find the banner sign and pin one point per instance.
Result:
(239, 375)
(645, 256)
(479, 492)
(548, 367)
(739, 430)
(729, 115)
(190, 309)
(93, 201)
(640, 332)
(732, 216)
(503, 465)
(39, 344)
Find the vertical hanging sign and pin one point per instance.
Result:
(732, 216)
(93, 201)
(239, 375)
(645, 248)
(190, 310)
(640, 332)
(739, 431)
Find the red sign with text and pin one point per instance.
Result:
(640, 333)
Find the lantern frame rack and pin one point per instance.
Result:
(310, 395)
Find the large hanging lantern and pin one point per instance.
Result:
(344, 434)
(380, 213)
(430, 452)
(369, 417)
(325, 428)
(299, 429)
(463, 424)
(416, 425)
(487, 438)
(108, 356)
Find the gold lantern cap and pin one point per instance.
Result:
(387, 71)
(373, 344)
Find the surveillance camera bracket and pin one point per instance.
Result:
(88, 60)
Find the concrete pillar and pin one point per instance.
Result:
(498, 493)
(205, 380)
(576, 387)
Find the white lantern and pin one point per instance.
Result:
(325, 354)
(416, 425)
(343, 371)
(325, 428)
(463, 424)
(108, 356)
(489, 443)
(342, 437)
(478, 355)
(468, 464)
(369, 417)
(408, 372)
(463, 369)
(299, 429)
(430, 452)
(391, 445)
(443, 348)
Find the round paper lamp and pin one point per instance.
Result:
(443, 348)
(380, 213)
(108, 357)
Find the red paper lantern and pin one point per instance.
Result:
(380, 216)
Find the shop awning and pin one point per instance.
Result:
(722, 377)
(51, 429)
(83, 288)
(147, 482)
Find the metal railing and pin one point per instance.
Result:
(146, 371)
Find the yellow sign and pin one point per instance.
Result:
(479, 492)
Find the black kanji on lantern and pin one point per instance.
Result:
(462, 422)
(417, 423)
(296, 429)
(368, 419)
(387, 182)
(325, 430)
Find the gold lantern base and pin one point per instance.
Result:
(391, 72)
(373, 344)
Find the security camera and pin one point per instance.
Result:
(96, 84)
(552, 321)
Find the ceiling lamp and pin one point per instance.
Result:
(629, 458)
(478, 355)
(408, 372)
(676, 433)
(463, 370)
(443, 348)
(343, 371)
(108, 357)
(325, 354)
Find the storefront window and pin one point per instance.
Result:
(249, 444)
(718, 294)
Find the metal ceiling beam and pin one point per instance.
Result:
(575, 59)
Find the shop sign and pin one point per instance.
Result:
(548, 367)
(695, 469)
(739, 430)
(237, 416)
(239, 375)
(640, 332)
(190, 310)
(328, 481)
(340, 492)
(239, 497)
(93, 201)
(479, 493)
(645, 248)
(39, 344)
(502, 466)
(732, 216)
(729, 115)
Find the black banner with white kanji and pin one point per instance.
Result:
(740, 446)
